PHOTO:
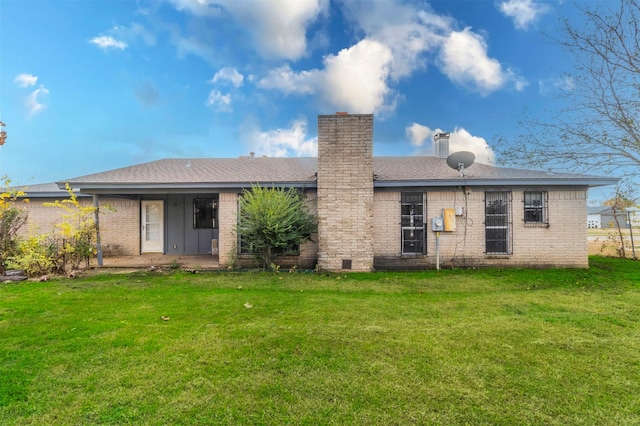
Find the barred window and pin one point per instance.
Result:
(498, 223)
(412, 223)
(536, 206)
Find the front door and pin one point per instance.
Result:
(152, 227)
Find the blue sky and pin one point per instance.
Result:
(88, 86)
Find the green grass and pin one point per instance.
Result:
(437, 347)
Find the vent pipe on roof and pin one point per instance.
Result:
(441, 141)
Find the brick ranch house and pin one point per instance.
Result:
(373, 212)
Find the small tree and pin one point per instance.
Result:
(619, 205)
(12, 219)
(274, 220)
(75, 234)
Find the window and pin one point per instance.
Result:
(536, 207)
(412, 223)
(497, 212)
(204, 213)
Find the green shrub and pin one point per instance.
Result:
(34, 256)
(11, 220)
(274, 221)
(75, 234)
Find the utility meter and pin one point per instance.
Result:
(437, 224)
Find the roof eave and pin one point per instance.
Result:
(590, 182)
(130, 188)
(178, 187)
(52, 194)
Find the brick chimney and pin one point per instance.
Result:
(345, 192)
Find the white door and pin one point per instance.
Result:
(152, 227)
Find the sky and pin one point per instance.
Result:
(93, 85)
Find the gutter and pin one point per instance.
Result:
(135, 188)
(590, 182)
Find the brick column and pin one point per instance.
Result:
(227, 221)
(345, 192)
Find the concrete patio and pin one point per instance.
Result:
(200, 262)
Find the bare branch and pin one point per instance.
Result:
(596, 129)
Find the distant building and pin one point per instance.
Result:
(602, 217)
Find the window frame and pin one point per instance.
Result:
(532, 209)
(498, 222)
(198, 219)
(413, 223)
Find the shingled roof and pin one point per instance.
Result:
(217, 173)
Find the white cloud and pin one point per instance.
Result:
(519, 82)
(25, 80)
(399, 40)
(462, 140)
(415, 35)
(553, 86)
(278, 27)
(34, 102)
(120, 37)
(108, 42)
(417, 134)
(354, 80)
(407, 31)
(285, 142)
(288, 81)
(198, 7)
(228, 74)
(219, 102)
(133, 32)
(523, 12)
(464, 60)
(459, 140)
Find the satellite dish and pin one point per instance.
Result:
(461, 160)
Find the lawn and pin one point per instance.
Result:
(437, 347)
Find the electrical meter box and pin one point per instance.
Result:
(437, 224)
(449, 217)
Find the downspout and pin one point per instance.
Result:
(96, 210)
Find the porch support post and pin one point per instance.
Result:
(96, 206)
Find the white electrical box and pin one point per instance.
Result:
(437, 224)
(459, 211)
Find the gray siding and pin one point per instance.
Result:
(182, 238)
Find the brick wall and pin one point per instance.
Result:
(227, 222)
(345, 192)
(120, 227)
(119, 222)
(562, 244)
(308, 257)
(228, 252)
